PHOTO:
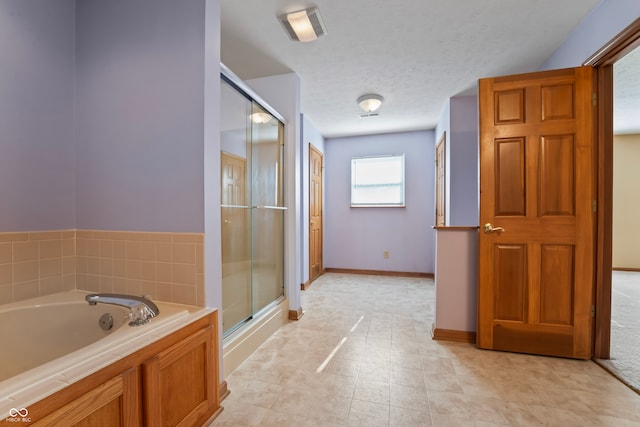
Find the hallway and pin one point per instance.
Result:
(362, 355)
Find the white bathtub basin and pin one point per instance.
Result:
(49, 342)
(36, 334)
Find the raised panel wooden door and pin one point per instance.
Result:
(315, 213)
(236, 244)
(537, 217)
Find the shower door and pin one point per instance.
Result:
(252, 208)
(267, 209)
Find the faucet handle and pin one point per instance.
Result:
(139, 315)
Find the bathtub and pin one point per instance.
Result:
(47, 343)
(35, 334)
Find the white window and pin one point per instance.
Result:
(377, 181)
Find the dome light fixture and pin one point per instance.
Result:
(370, 102)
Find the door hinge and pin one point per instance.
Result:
(594, 98)
(593, 311)
(595, 206)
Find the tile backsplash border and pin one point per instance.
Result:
(165, 266)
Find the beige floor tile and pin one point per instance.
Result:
(238, 414)
(389, 372)
(564, 417)
(372, 391)
(376, 356)
(406, 360)
(453, 420)
(606, 420)
(295, 401)
(624, 405)
(521, 414)
(406, 344)
(403, 417)
(326, 384)
(442, 382)
(437, 365)
(517, 390)
(278, 419)
(367, 414)
(375, 371)
(259, 393)
(329, 409)
(408, 397)
(413, 378)
(345, 367)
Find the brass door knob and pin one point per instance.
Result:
(489, 228)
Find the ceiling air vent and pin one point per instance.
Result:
(365, 115)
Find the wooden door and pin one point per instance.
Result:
(440, 182)
(235, 217)
(537, 198)
(315, 213)
(236, 246)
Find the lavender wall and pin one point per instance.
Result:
(459, 120)
(140, 115)
(463, 161)
(604, 22)
(36, 115)
(310, 135)
(356, 238)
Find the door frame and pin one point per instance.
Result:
(441, 193)
(602, 61)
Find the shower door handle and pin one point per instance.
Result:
(280, 208)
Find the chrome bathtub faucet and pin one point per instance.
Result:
(142, 309)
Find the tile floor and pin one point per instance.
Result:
(362, 355)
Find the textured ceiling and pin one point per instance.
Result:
(415, 53)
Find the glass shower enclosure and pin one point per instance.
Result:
(252, 205)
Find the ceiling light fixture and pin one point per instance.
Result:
(303, 25)
(260, 118)
(370, 102)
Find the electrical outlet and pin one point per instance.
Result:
(385, 254)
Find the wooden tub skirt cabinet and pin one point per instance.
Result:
(171, 382)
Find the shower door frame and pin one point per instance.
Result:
(244, 90)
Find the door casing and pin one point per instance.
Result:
(603, 60)
(441, 186)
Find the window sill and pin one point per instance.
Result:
(378, 206)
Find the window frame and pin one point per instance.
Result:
(381, 203)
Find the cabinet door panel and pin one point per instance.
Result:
(114, 403)
(178, 382)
